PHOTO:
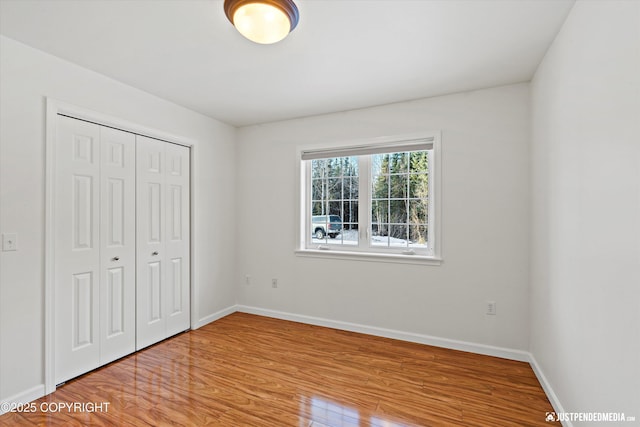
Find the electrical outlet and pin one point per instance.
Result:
(274, 283)
(247, 280)
(10, 242)
(491, 308)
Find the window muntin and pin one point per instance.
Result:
(382, 194)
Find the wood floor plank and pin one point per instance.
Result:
(246, 370)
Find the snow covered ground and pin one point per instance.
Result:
(350, 237)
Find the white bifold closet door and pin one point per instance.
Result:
(163, 261)
(121, 251)
(94, 246)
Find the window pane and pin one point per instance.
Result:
(379, 176)
(318, 169)
(398, 186)
(335, 208)
(350, 209)
(380, 211)
(334, 229)
(418, 185)
(351, 188)
(348, 236)
(318, 189)
(380, 186)
(419, 161)
(418, 211)
(418, 235)
(333, 167)
(398, 163)
(350, 166)
(398, 235)
(379, 234)
(334, 189)
(318, 208)
(379, 164)
(398, 211)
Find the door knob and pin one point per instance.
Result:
(115, 258)
(154, 253)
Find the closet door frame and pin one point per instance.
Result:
(54, 108)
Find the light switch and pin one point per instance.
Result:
(9, 242)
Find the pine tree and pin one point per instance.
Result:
(334, 188)
(400, 195)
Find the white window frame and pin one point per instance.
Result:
(304, 247)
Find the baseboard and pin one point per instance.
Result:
(551, 395)
(215, 316)
(488, 350)
(25, 397)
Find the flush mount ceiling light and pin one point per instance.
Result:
(262, 21)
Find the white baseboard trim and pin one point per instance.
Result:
(551, 395)
(488, 350)
(24, 397)
(215, 316)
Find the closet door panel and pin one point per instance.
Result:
(151, 225)
(117, 244)
(178, 242)
(77, 250)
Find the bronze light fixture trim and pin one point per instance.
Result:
(262, 21)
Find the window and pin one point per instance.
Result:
(375, 199)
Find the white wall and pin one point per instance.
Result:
(585, 268)
(577, 184)
(27, 76)
(485, 139)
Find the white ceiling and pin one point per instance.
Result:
(344, 54)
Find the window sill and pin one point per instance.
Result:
(369, 256)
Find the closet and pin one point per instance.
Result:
(121, 250)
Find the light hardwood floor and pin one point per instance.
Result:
(246, 370)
